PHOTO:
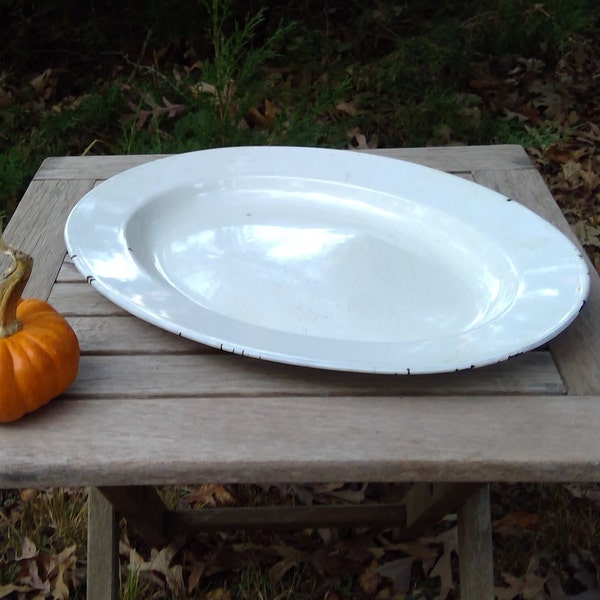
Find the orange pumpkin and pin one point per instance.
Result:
(39, 352)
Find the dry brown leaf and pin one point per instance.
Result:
(347, 107)
(196, 570)
(65, 563)
(280, 568)
(443, 567)
(28, 494)
(263, 115)
(6, 97)
(515, 520)
(40, 82)
(209, 494)
(160, 562)
(31, 576)
(399, 572)
(218, 594)
(571, 169)
(529, 587)
(358, 140)
(558, 153)
(369, 579)
(61, 589)
(587, 234)
(8, 589)
(28, 550)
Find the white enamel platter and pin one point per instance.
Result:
(328, 258)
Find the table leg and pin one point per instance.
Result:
(475, 549)
(428, 503)
(102, 548)
(143, 509)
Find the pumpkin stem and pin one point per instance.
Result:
(12, 284)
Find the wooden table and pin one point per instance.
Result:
(149, 408)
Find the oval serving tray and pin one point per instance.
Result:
(328, 258)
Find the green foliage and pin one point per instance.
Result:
(401, 72)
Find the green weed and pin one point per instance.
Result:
(255, 584)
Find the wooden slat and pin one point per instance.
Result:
(80, 299)
(68, 273)
(475, 548)
(37, 228)
(225, 374)
(129, 335)
(458, 159)
(452, 159)
(289, 517)
(576, 350)
(178, 440)
(143, 509)
(428, 503)
(90, 167)
(102, 549)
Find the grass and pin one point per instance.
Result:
(218, 72)
(555, 528)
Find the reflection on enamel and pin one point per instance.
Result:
(279, 243)
(114, 266)
(289, 243)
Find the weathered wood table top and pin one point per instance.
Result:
(150, 408)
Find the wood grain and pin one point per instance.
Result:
(462, 159)
(451, 159)
(129, 335)
(143, 509)
(290, 517)
(428, 503)
(90, 167)
(102, 582)
(81, 299)
(475, 548)
(150, 408)
(171, 440)
(37, 228)
(577, 349)
(225, 374)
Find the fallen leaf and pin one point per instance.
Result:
(196, 571)
(65, 563)
(218, 594)
(571, 169)
(6, 99)
(28, 494)
(39, 83)
(28, 550)
(262, 116)
(161, 563)
(358, 141)
(587, 234)
(347, 107)
(514, 521)
(399, 572)
(280, 568)
(528, 587)
(8, 589)
(443, 567)
(369, 579)
(209, 494)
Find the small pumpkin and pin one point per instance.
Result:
(39, 351)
